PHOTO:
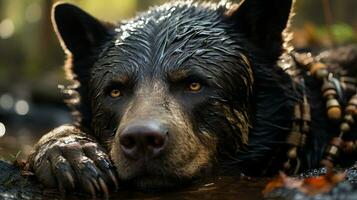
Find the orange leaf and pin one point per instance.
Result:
(309, 186)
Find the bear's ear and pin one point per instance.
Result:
(261, 21)
(79, 33)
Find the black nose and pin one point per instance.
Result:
(143, 139)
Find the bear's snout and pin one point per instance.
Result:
(143, 140)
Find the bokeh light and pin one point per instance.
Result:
(6, 102)
(33, 12)
(2, 129)
(22, 107)
(7, 28)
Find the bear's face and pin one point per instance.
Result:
(168, 93)
(176, 68)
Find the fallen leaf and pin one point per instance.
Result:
(310, 186)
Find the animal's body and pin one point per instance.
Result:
(182, 92)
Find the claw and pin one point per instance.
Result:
(65, 176)
(93, 174)
(88, 187)
(92, 170)
(106, 167)
(104, 187)
(95, 183)
(106, 163)
(113, 178)
(44, 173)
(62, 170)
(70, 179)
(102, 162)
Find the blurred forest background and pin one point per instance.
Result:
(31, 58)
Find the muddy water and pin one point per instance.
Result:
(220, 188)
(227, 188)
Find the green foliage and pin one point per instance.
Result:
(343, 33)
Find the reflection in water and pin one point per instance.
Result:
(227, 188)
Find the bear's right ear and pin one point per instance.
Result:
(79, 33)
(262, 22)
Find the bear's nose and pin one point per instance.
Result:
(143, 140)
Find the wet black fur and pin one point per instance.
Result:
(199, 38)
(193, 43)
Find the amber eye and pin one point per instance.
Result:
(195, 87)
(115, 93)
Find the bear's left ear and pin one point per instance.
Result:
(261, 21)
(78, 32)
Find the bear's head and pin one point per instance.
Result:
(177, 90)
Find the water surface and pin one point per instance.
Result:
(227, 188)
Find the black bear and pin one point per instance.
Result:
(189, 89)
